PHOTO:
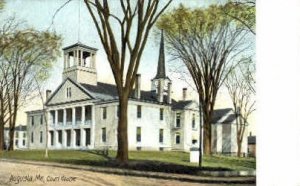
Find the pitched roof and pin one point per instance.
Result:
(219, 113)
(223, 116)
(76, 84)
(105, 91)
(251, 139)
(79, 44)
(161, 71)
(181, 104)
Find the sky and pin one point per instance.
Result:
(74, 24)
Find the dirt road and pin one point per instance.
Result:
(25, 175)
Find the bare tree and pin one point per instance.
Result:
(206, 41)
(240, 85)
(25, 53)
(39, 82)
(123, 34)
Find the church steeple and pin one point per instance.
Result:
(161, 71)
(161, 84)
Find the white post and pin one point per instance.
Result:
(76, 57)
(92, 133)
(81, 58)
(64, 138)
(56, 118)
(73, 138)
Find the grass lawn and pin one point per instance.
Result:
(162, 161)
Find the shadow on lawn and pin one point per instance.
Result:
(143, 165)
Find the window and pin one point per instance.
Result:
(69, 93)
(104, 134)
(194, 141)
(138, 134)
(52, 138)
(41, 136)
(24, 134)
(41, 120)
(17, 134)
(139, 111)
(161, 114)
(32, 120)
(23, 142)
(32, 137)
(177, 138)
(177, 120)
(193, 122)
(59, 136)
(16, 142)
(104, 113)
(161, 135)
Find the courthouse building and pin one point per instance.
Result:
(82, 113)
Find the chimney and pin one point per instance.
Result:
(48, 93)
(160, 91)
(169, 92)
(137, 93)
(184, 94)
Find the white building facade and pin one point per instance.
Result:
(83, 113)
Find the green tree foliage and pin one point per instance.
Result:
(25, 55)
(209, 42)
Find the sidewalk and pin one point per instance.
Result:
(216, 177)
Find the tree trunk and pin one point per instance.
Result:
(46, 123)
(12, 125)
(1, 136)
(122, 154)
(200, 134)
(239, 148)
(207, 138)
(11, 138)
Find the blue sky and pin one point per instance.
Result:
(38, 14)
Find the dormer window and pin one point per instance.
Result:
(69, 92)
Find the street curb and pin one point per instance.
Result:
(227, 173)
(226, 179)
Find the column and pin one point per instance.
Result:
(76, 57)
(64, 138)
(81, 58)
(92, 133)
(49, 140)
(56, 118)
(82, 137)
(73, 116)
(64, 117)
(82, 115)
(93, 60)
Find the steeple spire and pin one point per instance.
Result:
(161, 71)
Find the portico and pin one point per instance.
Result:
(71, 127)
